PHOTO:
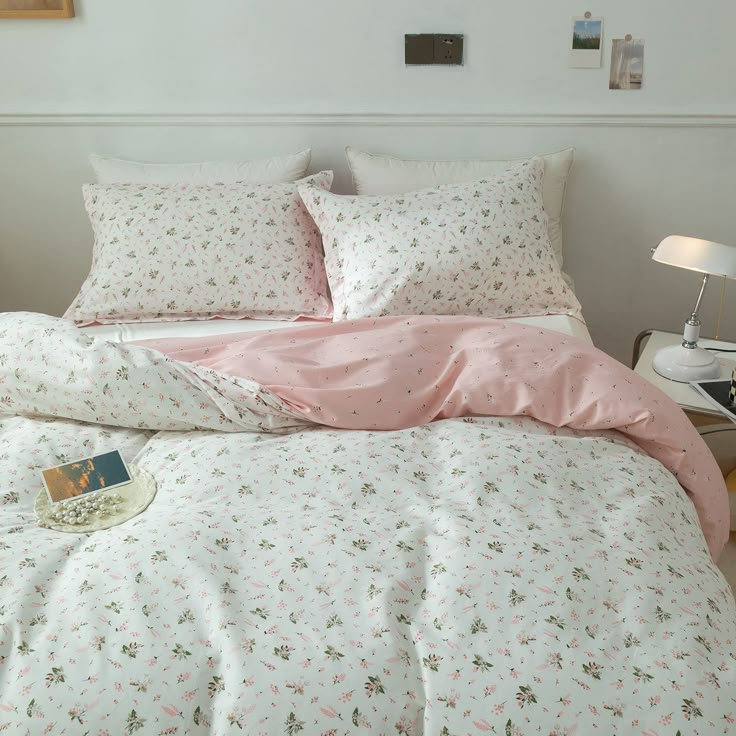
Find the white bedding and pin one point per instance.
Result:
(465, 577)
(127, 332)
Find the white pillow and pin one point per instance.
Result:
(378, 174)
(276, 170)
(196, 251)
(479, 248)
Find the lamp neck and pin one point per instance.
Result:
(696, 308)
(692, 326)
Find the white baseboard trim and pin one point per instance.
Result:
(301, 120)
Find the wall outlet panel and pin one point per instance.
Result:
(448, 48)
(433, 48)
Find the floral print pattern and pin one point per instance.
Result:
(473, 575)
(47, 367)
(172, 252)
(478, 248)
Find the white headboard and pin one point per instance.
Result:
(635, 180)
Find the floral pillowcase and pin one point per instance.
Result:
(478, 248)
(179, 252)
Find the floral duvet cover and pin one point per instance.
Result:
(470, 575)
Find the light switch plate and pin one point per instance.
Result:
(418, 48)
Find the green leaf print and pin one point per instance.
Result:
(512, 729)
(593, 669)
(334, 620)
(186, 616)
(134, 722)
(516, 598)
(299, 563)
(374, 686)
(333, 654)
(216, 685)
(55, 676)
(703, 643)
(432, 662)
(481, 663)
(131, 649)
(631, 641)
(525, 696)
(555, 621)
(294, 725)
(642, 676)
(180, 652)
(284, 651)
(690, 709)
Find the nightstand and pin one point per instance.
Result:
(698, 410)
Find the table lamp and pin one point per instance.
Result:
(688, 362)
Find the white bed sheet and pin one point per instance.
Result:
(129, 331)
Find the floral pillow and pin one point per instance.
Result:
(176, 252)
(478, 248)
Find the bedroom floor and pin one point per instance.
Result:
(727, 563)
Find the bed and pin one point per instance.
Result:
(393, 523)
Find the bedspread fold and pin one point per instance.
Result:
(374, 374)
(398, 372)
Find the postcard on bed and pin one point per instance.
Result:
(88, 475)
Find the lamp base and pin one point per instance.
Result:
(683, 364)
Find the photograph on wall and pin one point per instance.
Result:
(36, 8)
(587, 43)
(627, 63)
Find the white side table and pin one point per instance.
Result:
(698, 410)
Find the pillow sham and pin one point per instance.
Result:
(196, 252)
(378, 174)
(273, 170)
(478, 248)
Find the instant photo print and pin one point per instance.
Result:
(88, 475)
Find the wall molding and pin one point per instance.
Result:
(301, 120)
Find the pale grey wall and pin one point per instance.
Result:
(633, 182)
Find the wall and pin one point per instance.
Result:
(227, 78)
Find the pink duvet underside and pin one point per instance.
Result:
(398, 372)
